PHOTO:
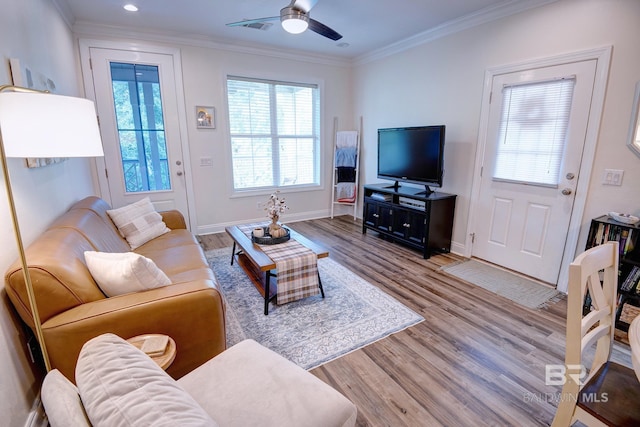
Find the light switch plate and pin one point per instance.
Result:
(612, 177)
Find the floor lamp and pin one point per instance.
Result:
(39, 124)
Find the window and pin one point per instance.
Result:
(533, 131)
(274, 132)
(138, 108)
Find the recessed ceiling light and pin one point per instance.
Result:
(343, 44)
(130, 8)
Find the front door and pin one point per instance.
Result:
(536, 133)
(138, 110)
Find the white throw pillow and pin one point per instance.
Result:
(121, 386)
(138, 222)
(122, 273)
(62, 402)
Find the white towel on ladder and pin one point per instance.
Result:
(346, 138)
(346, 192)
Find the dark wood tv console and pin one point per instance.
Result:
(410, 216)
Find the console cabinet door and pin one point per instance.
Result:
(385, 220)
(371, 215)
(409, 225)
(378, 215)
(416, 226)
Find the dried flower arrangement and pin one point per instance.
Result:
(275, 207)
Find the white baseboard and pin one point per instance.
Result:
(458, 248)
(286, 219)
(37, 416)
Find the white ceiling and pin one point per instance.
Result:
(366, 25)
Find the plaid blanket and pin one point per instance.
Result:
(296, 264)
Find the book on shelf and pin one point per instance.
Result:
(382, 196)
(628, 244)
(599, 234)
(631, 280)
(628, 313)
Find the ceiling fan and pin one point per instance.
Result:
(295, 20)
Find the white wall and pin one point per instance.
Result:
(33, 32)
(441, 82)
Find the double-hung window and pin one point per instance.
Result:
(275, 133)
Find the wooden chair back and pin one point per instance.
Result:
(594, 271)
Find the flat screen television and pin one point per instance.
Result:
(412, 154)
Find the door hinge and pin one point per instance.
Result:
(473, 237)
(90, 64)
(106, 173)
(481, 170)
(490, 97)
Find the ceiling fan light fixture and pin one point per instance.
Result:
(293, 21)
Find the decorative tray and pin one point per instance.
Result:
(623, 218)
(267, 239)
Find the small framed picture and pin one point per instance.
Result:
(205, 117)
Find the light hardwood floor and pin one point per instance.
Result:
(477, 359)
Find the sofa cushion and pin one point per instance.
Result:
(122, 273)
(120, 385)
(138, 222)
(103, 236)
(62, 402)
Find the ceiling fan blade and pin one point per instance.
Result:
(323, 30)
(253, 21)
(303, 5)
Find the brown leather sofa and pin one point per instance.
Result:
(73, 309)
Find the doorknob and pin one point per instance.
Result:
(178, 162)
(179, 173)
(566, 191)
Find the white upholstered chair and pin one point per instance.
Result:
(605, 393)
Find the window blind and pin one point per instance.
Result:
(533, 131)
(274, 133)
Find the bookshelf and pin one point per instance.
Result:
(605, 229)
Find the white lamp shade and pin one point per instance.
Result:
(47, 125)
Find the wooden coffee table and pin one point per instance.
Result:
(259, 267)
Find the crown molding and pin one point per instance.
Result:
(503, 10)
(65, 11)
(84, 29)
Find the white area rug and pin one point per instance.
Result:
(518, 289)
(311, 331)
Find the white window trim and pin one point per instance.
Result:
(324, 135)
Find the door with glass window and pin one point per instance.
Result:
(536, 132)
(138, 112)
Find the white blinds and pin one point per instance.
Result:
(533, 130)
(274, 129)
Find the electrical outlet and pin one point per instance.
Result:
(612, 177)
(206, 161)
(259, 205)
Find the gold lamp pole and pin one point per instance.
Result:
(67, 127)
